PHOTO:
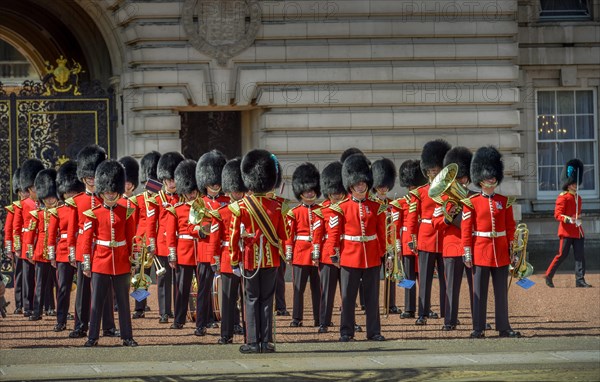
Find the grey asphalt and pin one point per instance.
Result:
(542, 358)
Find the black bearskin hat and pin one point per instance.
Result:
(167, 164)
(411, 174)
(259, 170)
(331, 179)
(185, 177)
(67, 180)
(384, 173)
(45, 184)
(462, 157)
(231, 177)
(132, 170)
(110, 177)
(88, 160)
(487, 163)
(571, 173)
(433, 155)
(356, 169)
(306, 178)
(149, 163)
(16, 183)
(348, 152)
(209, 169)
(29, 170)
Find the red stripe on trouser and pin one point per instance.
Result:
(556, 258)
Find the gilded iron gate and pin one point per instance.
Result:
(51, 121)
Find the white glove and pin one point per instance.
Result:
(237, 271)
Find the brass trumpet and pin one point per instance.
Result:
(445, 183)
(519, 267)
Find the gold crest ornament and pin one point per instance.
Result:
(62, 79)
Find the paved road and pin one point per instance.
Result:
(570, 358)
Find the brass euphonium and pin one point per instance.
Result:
(519, 267)
(144, 260)
(396, 274)
(445, 183)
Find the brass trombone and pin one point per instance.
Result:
(519, 267)
(397, 272)
(144, 261)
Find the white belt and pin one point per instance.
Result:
(186, 237)
(489, 234)
(404, 228)
(224, 243)
(303, 238)
(362, 239)
(24, 229)
(63, 235)
(112, 244)
(428, 221)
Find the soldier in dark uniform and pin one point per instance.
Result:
(156, 227)
(111, 228)
(364, 243)
(425, 239)
(487, 231)
(303, 247)
(410, 177)
(568, 212)
(260, 224)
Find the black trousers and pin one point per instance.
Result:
(350, 278)
(427, 262)
(18, 282)
(564, 247)
(280, 289)
(329, 275)
(64, 273)
(259, 293)
(481, 281)
(165, 287)
(28, 285)
(50, 300)
(230, 284)
(204, 309)
(410, 295)
(184, 286)
(102, 286)
(454, 267)
(83, 303)
(302, 274)
(43, 273)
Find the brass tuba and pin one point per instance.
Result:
(445, 183)
(519, 267)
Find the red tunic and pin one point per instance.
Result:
(271, 252)
(566, 207)
(8, 228)
(156, 220)
(419, 221)
(451, 240)
(403, 204)
(483, 218)
(21, 224)
(112, 231)
(306, 233)
(36, 235)
(364, 233)
(181, 236)
(80, 203)
(205, 253)
(220, 237)
(59, 232)
(332, 222)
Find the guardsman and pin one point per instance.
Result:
(280, 304)
(384, 177)
(260, 225)
(329, 263)
(448, 225)
(146, 204)
(88, 160)
(234, 187)
(156, 224)
(29, 170)
(410, 177)
(182, 238)
(107, 240)
(208, 177)
(37, 237)
(424, 238)
(364, 243)
(11, 210)
(68, 185)
(303, 247)
(568, 213)
(487, 231)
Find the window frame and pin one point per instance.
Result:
(585, 194)
(565, 14)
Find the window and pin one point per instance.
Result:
(564, 9)
(566, 129)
